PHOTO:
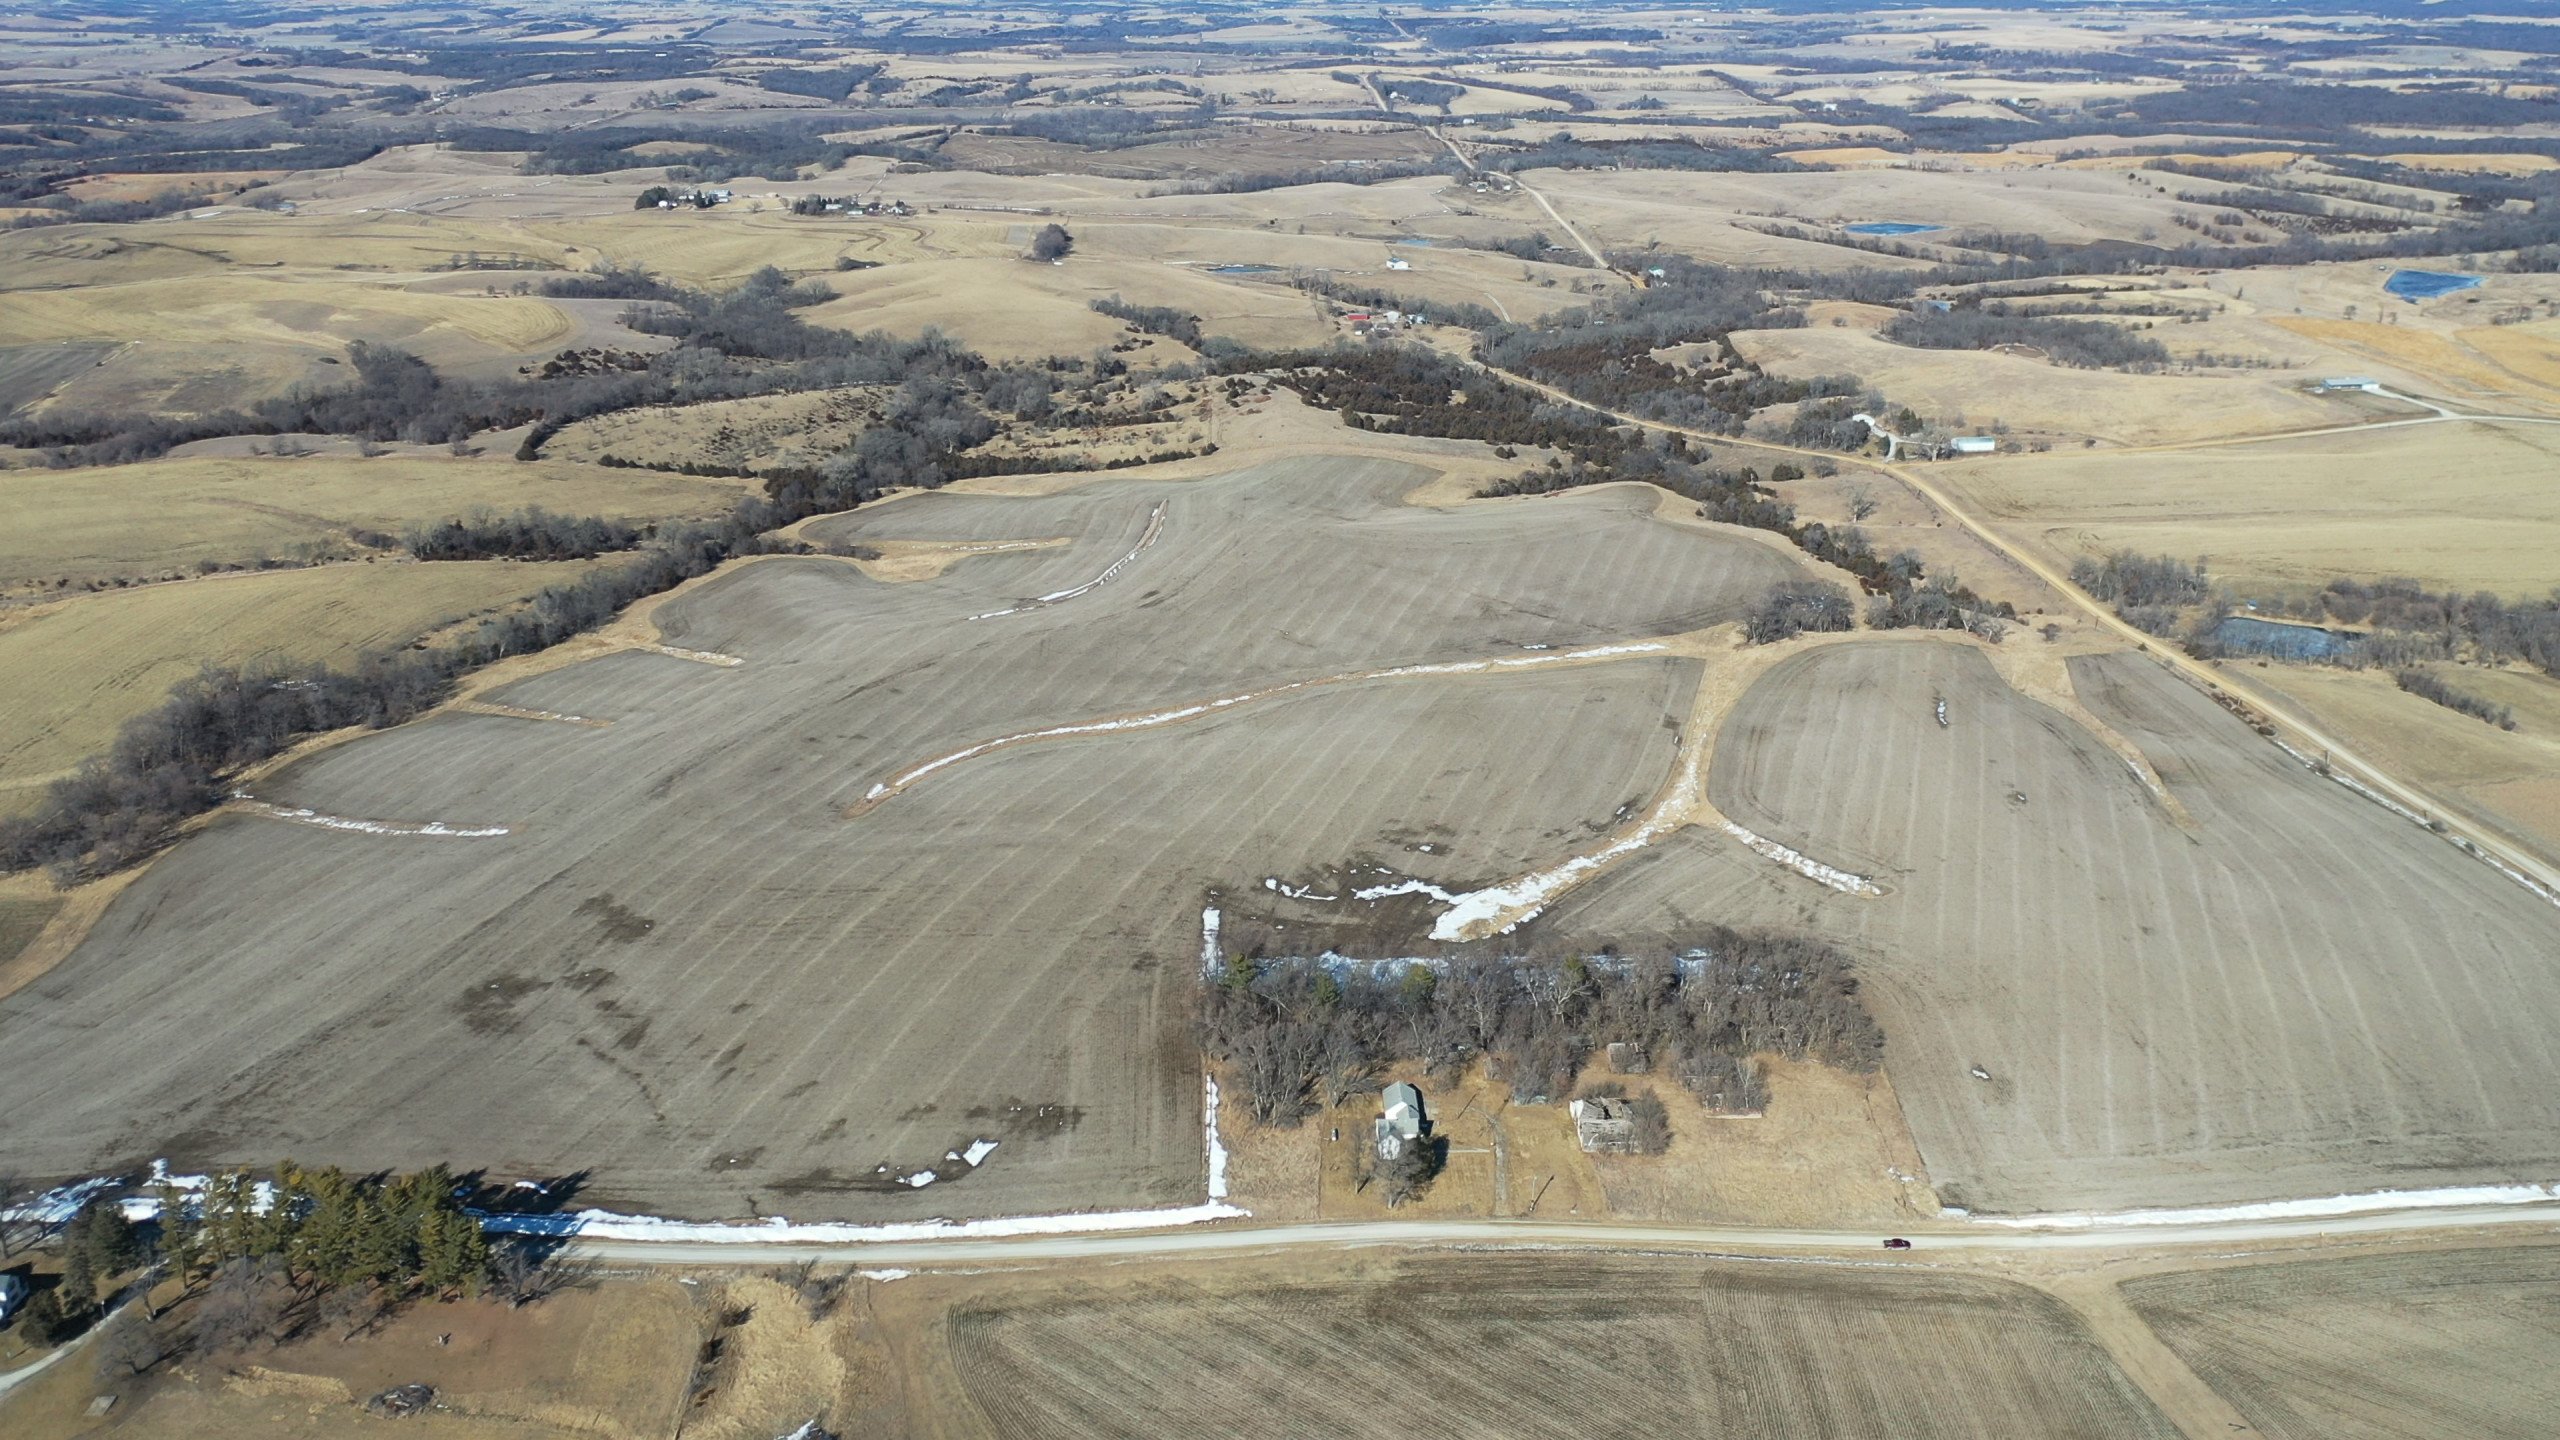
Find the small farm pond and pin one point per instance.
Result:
(2290, 642)
(2427, 284)
(1890, 227)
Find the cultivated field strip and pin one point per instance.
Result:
(1552, 1345)
(2381, 1347)
(684, 967)
(2299, 996)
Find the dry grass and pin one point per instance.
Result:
(607, 1362)
(2513, 776)
(2462, 507)
(1975, 389)
(2458, 364)
(759, 432)
(164, 516)
(1832, 1148)
(2475, 164)
(73, 671)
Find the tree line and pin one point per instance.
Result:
(532, 533)
(1163, 320)
(1298, 1034)
(2401, 623)
(2080, 344)
(747, 341)
(169, 764)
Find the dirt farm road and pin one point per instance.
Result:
(1927, 1242)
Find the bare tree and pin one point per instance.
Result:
(1862, 502)
(13, 1189)
(349, 1310)
(516, 1273)
(240, 1308)
(130, 1345)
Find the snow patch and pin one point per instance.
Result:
(919, 1180)
(607, 1225)
(1405, 887)
(1294, 892)
(1843, 881)
(2327, 1206)
(302, 815)
(1208, 939)
(884, 1276)
(1155, 527)
(699, 657)
(978, 1152)
(1217, 1151)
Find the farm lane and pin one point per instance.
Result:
(1928, 1240)
(2542, 872)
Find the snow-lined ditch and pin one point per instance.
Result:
(1155, 527)
(303, 815)
(2369, 1202)
(2413, 817)
(58, 1205)
(1179, 713)
(1500, 909)
(1844, 881)
(698, 657)
(608, 1225)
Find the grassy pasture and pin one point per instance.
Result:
(72, 671)
(2033, 397)
(1553, 1345)
(2462, 507)
(162, 517)
(2374, 1347)
(599, 1361)
(2513, 776)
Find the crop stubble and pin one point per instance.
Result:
(2299, 995)
(1548, 1345)
(683, 968)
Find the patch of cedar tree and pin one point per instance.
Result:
(1297, 1035)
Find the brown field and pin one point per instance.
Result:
(1704, 213)
(72, 671)
(758, 432)
(659, 971)
(2513, 776)
(29, 373)
(1977, 389)
(2166, 1013)
(2372, 1347)
(599, 1362)
(2295, 514)
(65, 529)
(24, 912)
(1551, 1345)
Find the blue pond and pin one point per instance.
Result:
(1890, 227)
(2290, 642)
(2427, 284)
